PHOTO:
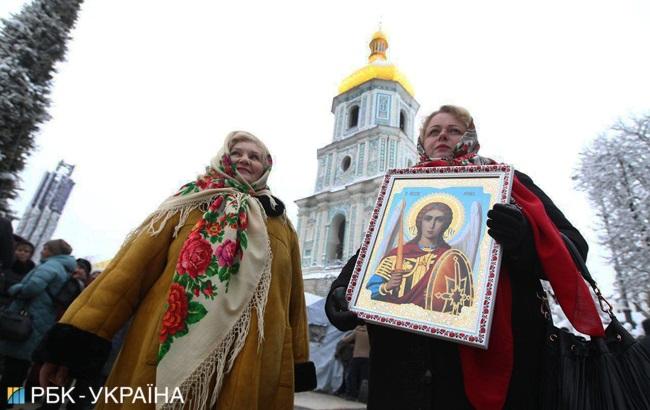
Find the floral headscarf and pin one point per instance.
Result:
(466, 150)
(223, 272)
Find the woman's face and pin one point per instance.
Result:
(441, 135)
(247, 156)
(45, 253)
(80, 273)
(23, 252)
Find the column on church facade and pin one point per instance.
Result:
(322, 235)
(369, 105)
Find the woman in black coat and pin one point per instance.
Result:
(412, 371)
(12, 273)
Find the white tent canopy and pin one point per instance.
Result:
(323, 338)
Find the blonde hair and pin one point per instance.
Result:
(460, 113)
(243, 136)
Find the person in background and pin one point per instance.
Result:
(24, 253)
(22, 264)
(31, 294)
(81, 395)
(82, 273)
(359, 366)
(6, 260)
(92, 277)
(343, 354)
(6, 244)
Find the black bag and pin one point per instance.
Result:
(610, 372)
(67, 294)
(15, 326)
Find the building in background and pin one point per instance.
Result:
(42, 214)
(374, 130)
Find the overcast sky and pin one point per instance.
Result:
(150, 89)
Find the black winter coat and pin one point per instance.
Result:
(411, 371)
(6, 244)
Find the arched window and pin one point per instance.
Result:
(353, 116)
(402, 121)
(336, 239)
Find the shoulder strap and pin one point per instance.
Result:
(580, 263)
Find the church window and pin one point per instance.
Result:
(345, 164)
(402, 121)
(336, 239)
(353, 116)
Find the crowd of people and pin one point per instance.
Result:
(35, 289)
(207, 296)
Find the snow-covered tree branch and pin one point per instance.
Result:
(614, 171)
(31, 43)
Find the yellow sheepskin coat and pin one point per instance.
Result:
(136, 283)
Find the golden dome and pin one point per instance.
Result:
(378, 67)
(379, 34)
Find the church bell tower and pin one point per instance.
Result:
(374, 130)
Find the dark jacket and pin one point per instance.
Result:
(20, 269)
(645, 342)
(412, 371)
(12, 276)
(6, 244)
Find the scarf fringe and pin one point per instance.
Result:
(265, 281)
(197, 388)
(156, 221)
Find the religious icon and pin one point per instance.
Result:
(427, 264)
(425, 271)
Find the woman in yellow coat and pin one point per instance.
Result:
(213, 282)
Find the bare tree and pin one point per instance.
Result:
(614, 171)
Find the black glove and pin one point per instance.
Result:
(336, 309)
(508, 226)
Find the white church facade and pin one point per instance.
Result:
(374, 130)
